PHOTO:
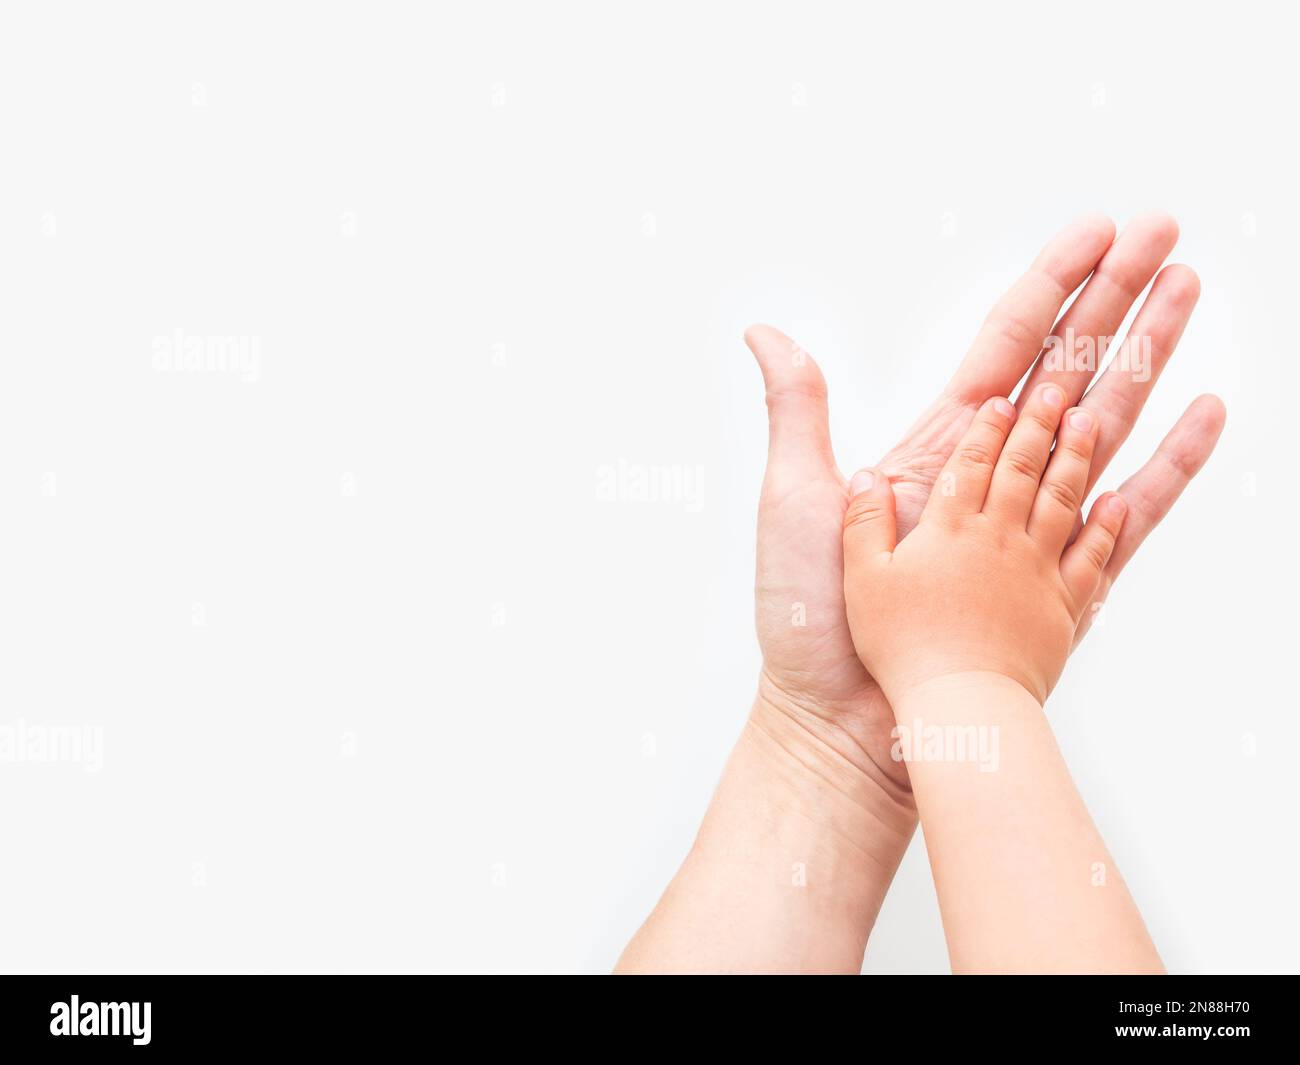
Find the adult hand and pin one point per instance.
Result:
(810, 669)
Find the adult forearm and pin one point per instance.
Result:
(790, 866)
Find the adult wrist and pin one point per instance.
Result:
(824, 767)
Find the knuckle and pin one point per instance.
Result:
(793, 394)
(1096, 554)
(1045, 420)
(974, 453)
(1077, 450)
(1063, 494)
(1180, 462)
(1097, 549)
(1015, 330)
(1055, 275)
(863, 516)
(1118, 277)
(1148, 509)
(1022, 463)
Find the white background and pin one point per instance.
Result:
(447, 708)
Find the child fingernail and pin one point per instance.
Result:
(1053, 396)
(1081, 420)
(1004, 407)
(1116, 505)
(863, 481)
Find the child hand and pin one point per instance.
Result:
(986, 582)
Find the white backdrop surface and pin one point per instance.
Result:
(382, 677)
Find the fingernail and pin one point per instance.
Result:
(1081, 420)
(1116, 504)
(1053, 396)
(863, 481)
(1004, 407)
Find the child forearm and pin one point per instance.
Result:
(994, 795)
